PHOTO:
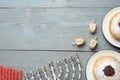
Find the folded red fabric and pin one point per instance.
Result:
(10, 73)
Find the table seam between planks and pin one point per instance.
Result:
(49, 7)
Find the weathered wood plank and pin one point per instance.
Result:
(29, 60)
(59, 3)
(50, 29)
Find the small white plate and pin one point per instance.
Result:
(105, 27)
(89, 73)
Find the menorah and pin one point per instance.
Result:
(66, 69)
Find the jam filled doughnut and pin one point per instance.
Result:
(104, 65)
(106, 68)
(114, 26)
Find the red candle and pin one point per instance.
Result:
(16, 75)
(12, 74)
(4, 74)
(8, 73)
(1, 68)
(20, 75)
(0, 77)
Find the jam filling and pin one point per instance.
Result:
(119, 24)
(109, 71)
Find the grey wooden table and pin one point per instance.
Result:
(35, 31)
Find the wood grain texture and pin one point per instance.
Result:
(50, 29)
(35, 31)
(59, 3)
(29, 60)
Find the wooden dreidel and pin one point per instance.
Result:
(79, 42)
(93, 43)
(92, 27)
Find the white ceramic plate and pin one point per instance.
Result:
(92, 60)
(105, 27)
